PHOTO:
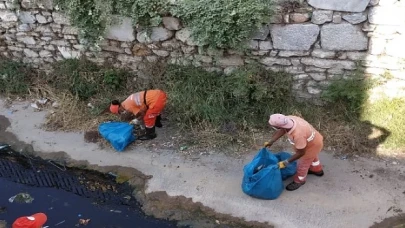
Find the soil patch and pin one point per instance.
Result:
(397, 221)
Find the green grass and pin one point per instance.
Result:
(15, 77)
(388, 114)
(243, 99)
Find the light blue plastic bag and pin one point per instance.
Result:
(262, 177)
(291, 168)
(119, 134)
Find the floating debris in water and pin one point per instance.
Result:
(60, 223)
(21, 198)
(115, 211)
(84, 221)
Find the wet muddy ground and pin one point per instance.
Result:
(67, 195)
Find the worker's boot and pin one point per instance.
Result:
(319, 174)
(158, 122)
(149, 134)
(294, 186)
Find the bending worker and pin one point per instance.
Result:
(307, 142)
(146, 105)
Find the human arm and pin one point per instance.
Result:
(276, 136)
(300, 145)
(140, 114)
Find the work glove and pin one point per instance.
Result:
(267, 144)
(283, 164)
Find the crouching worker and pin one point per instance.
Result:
(307, 143)
(145, 105)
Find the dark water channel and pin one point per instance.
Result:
(68, 196)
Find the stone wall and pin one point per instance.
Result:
(317, 42)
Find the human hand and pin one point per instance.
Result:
(268, 144)
(283, 164)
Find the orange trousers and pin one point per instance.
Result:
(310, 160)
(151, 114)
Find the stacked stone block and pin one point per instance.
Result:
(317, 41)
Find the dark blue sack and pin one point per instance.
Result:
(291, 168)
(262, 177)
(119, 134)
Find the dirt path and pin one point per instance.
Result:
(353, 193)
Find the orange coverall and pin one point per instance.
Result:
(153, 103)
(304, 136)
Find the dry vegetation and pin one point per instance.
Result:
(78, 92)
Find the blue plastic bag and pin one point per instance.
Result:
(119, 134)
(262, 177)
(291, 168)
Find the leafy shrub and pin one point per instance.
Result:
(243, 98)
(223, 23)
(85, 79)
(92, 17)
(15, 77)
(351, 92)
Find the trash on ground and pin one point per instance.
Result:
(42, 101)
(343, 157)
(34, 105)
(183, 148)
(21, 198)
(55, 104)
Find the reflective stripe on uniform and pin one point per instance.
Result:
(301, 178)
(316, 163)
(308, 139)
(136, 98)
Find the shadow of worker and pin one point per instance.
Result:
(372, 137)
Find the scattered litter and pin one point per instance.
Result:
(217, 222)
(4, 147)
(115, 211)
(60, 223)
(183, 148)
(112, 174)
(79, 215)
(46, 227)
(84, 221)
(127, 197)
(343, 157)
(34, 105)
(394, 163)
(90, 105)
(55, 104)
(42, 101)
(21, 198)
(51, 208)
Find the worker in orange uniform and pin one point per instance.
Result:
(307, 142)
(145, 105)
(34, 221)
